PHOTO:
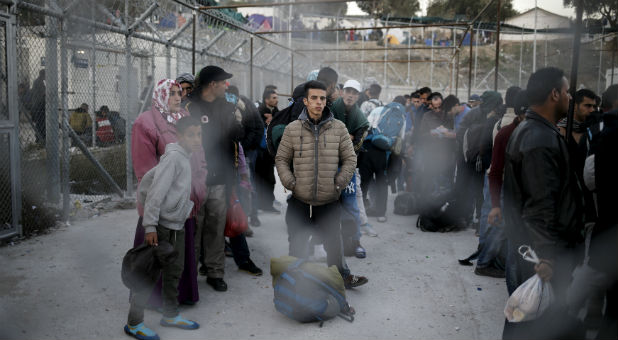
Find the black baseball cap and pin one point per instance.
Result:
(212, 73)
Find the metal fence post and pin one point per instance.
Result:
(521, 55)
(601, 59)
(251, 69)
(125, 97)
(193, 43)
(93, 66)
(497, 73)
(470, 61)
(168, 61)
(51, 107)
(65, 121)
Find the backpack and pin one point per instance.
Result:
(274, 130)
(304, 297)
(436, 214)
(387, 134)
(405, 204)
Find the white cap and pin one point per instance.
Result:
(352, 84)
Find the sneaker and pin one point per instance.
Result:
(141, 332)
(179, 322)
(490, 271)
(368, 230)
(319, 253)
(248, 233)
(255, 222)
(360, 252)
(250, 268)
(217, 284)
(353, 281)
(382, 219)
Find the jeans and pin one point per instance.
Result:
(349, 204)
(171, 276)
(492, 239)
(511, 267)
(304, 221)
(359, 200)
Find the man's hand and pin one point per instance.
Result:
(352, 137)
(269, 117)
(151, 239)
(495, 216)
(544, 270)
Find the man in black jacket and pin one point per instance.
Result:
(220, 134)
(542, 202)
(265, 163)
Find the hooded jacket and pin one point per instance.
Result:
(165, 190)
(321, 155)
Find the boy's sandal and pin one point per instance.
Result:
(179, 322)
(141, 332)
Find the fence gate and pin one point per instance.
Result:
(10, 183)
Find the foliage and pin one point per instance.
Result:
(398, 8)
(469, 9)
(607, 9)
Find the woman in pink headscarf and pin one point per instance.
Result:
(151, 132)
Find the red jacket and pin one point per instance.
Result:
(105, 133)
(149, 136)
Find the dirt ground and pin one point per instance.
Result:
(66, 285)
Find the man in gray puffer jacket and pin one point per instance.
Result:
(316, 160)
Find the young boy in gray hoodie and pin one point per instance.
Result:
(165, 193)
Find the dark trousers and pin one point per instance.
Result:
(264, 179)
(323, 221)
(251, 158)
(171, 277)
(370, 163)
(468, 190)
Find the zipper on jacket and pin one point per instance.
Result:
(315, 168)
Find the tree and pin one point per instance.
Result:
(469, 9)
(395, 8)
(607, 9)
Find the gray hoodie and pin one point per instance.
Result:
(165, 190)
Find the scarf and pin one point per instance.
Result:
(578, 127)
(160, 98)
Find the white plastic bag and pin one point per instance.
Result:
(532, 297)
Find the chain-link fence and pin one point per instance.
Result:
(85, 70)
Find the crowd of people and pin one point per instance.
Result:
(501, 166)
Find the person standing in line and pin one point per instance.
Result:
(221, 133)
(265, 164)
(316, 161)
(165, 194)
(543, 203)
(151, 132)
